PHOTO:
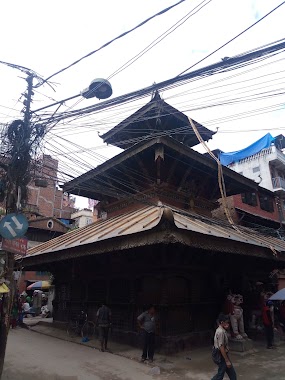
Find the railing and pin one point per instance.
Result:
(262, 153)
(277, 154)
(278, 183)
(280, 155)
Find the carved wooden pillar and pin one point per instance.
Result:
(159, 158)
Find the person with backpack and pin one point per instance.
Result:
(220, 352)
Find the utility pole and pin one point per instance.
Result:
(17, 177)
(27, 102)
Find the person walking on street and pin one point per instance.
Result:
(221, 348)
(104, 322)
(268, 322)
(147, 322)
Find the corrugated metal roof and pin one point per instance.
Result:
(149, 217)
(126, 224)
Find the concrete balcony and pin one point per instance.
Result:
(278, 184)
(277, 158)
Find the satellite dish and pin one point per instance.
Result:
(99, 88)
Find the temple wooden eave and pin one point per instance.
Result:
(92, 184)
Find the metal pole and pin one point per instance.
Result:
(27, 115)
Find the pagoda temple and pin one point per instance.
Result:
(155, 240)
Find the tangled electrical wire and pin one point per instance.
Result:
(223, 66)
(18, 151)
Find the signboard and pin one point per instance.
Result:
(18, 246)
(13, 226)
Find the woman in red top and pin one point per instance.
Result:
(268, 322)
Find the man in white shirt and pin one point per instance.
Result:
(221, 344)
(26, 307)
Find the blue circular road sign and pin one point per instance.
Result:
(13, 226)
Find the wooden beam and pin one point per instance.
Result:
(184, 179)
(172, 169)
(130, 178)
(143, 168)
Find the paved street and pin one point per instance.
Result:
(39, 357)
(35, 356)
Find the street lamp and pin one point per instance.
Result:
(99, 88)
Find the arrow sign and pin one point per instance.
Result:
(18, 225)
(13, 226)
(10, 229)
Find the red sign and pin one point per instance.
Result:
(18, 246)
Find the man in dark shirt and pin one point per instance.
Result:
(147, 322)
(104, 322)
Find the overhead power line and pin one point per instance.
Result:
(234, 38)
(162, 36)
(116, 38)
(155, 42)
(220, 67)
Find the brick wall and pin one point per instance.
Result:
(256, 210)
(49, 201)
(235, 201)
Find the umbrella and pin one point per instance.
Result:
(4, 288)
(39, 285)
(278, 296)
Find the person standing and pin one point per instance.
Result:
(282, 315)
(37, 301)
(104, 322)
(268, 322)
(222, 347)
(14, 314)
(147, 322)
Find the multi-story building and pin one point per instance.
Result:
(264, 162)
(82, 218)
(48, 210)
(40, 230)
(48, 199)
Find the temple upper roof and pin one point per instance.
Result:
(156, 118)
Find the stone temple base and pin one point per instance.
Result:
(243, 345)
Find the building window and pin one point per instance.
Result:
(249, 199)
(256, 169)
(266, 203)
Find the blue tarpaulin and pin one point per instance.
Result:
(229, 158)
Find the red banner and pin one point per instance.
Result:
(18, 246)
